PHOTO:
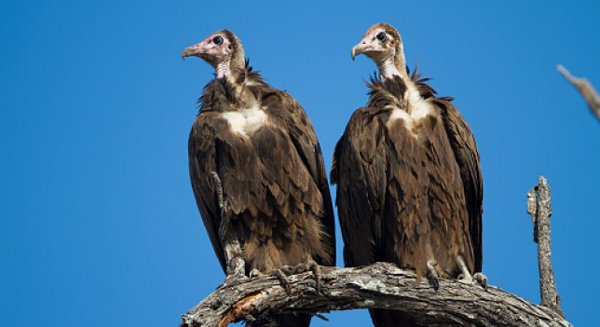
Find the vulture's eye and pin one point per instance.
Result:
(218, 40)
(382, 37)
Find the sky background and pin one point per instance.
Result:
(98, 222)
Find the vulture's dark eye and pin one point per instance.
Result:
(218, 40)
(382, 37)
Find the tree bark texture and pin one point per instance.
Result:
(381, 285)
(585, 88)
(538, 206)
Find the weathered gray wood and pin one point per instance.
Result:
(381, 285)
(585, 88)
(538, 206)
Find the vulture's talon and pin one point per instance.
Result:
(255, 273)
(448, 272)
(434, 281)
(316, 269)
(309, 265)
(481, 279)
(288, 270)
(282, 279)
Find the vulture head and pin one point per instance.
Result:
(383, 44)
(222, 50)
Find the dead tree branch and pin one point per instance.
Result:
(381, 285)
(585, 88)
(538, 206)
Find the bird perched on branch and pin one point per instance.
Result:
(257, 172)
(409, 184)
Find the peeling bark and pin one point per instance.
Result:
(381, 285)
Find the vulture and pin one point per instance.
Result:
(257, 172)
(409, 183)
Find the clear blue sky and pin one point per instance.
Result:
(98, 221)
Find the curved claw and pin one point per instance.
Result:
(282, 279)
(434, 280)
(448, 273)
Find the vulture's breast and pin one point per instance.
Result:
(246, 121)
(418, 109)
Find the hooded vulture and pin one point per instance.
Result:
(409, 184)
(257, 171)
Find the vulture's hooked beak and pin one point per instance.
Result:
(355, 52)
(357, 49)
(189, 51)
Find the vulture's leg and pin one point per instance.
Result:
(231, 244)
(432, 274)
(466, 276)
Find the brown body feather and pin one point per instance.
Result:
(408, 195)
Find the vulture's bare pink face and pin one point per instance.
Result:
(375, 43)
(214, 49)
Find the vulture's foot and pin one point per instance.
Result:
(255, 273)
(481, 279)
(467, 278)
(310, 265)
(432, 274)
(287, 270)
(478, 278)
(279, 273)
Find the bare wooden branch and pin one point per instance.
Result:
(538, 206)
(381, 285)
(585, 88)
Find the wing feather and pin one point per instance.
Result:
(202, 161)
(304, 139)
(360, 174)
(467, 156)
